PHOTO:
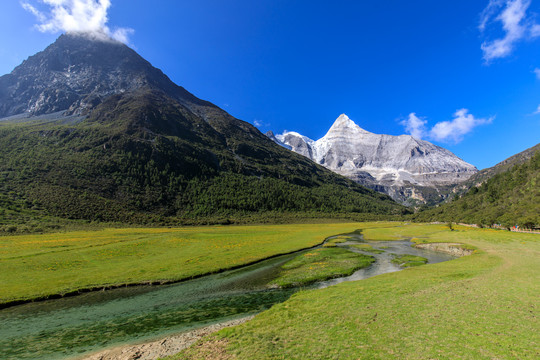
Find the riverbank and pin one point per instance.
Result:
(173, 344)
(163, 347)
(40, 267)
(149, 283)
(455, 249)
(483, 306)
(63, 328)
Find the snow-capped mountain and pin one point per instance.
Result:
(408, 169)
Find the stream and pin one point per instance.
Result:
(69, 327)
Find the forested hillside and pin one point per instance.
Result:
(127, 172)
(114, 139)
(509, 198)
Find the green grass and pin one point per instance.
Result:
(409, 260)
(36, 266)
(336, 240)
(483, 306)
(320, 264)
(366, 247)
(387, 231)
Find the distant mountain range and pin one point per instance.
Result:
(91, 130)
(410, 170)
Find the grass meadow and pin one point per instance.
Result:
(483, 306)
(37, 266)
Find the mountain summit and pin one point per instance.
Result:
(89, 129)
(408, 169)
(78, 72)
(344, 125)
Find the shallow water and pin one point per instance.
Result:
(384, 263)
(66, 328)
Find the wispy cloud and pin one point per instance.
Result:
(259, 123)
(415, 126)
(489, 12)
(537, 111)
(512, 14)
(445, 131)
(537, 72)
(76, 16)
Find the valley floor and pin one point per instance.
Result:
(39, 266)
(483, 306)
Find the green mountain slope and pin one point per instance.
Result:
(505, 165)
(146, 150)
(509, 197)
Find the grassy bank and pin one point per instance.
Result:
(320, 264)
(483, 306)
(409, 260)
(36, 266)
(366, 247)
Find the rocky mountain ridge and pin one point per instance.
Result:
(78, 72)
(408, 169)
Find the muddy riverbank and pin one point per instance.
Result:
(453, 249)
(169, 345)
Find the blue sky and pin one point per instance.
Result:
(392, 66)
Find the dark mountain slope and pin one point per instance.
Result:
(144, 149)
(509, 197)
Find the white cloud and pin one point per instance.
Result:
(455, 129)
(537, 111)
(34, 11)
(489, 12)
(122, 34)
(415, 126)
(76, 16)
(537, 72)
(512, 14)
(535, 30)
(259, 123)
(445, 131)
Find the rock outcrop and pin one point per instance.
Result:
(454, 249)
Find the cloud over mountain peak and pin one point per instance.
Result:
(76, 16)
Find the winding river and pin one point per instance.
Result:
(68, 327)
